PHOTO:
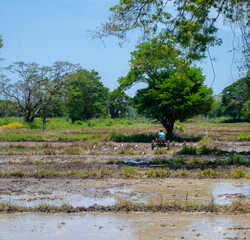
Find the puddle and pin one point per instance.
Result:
(211, 158)
(200, 191)
(56, 199)
(225, 193)
(123, 226)
(33, 192)
(138, 160)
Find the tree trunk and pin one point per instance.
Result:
(169, 126)
(28, 118)
(44, 120)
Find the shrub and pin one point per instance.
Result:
(208, 173)
(235, 159)
(13, 126)
(157, 173)
(179, 160)
(189, 150)
(179, 126)
(239, 173)
(218, 161)
(205, 150)
(78, 122)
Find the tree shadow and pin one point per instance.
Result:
(148, 137)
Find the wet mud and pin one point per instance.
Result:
(124, 226)
(30, 192)
(27, 191)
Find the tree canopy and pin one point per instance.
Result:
(192, 26)
(174, 91)
(118, 103)
(86, 97)
(235, 96)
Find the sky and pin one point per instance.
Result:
(45, 31)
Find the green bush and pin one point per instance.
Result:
(239, 173)
(179, 160)
(208, 173)
(235, 158)
(189, 150)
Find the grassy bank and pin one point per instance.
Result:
(128, 173)
(127, 206)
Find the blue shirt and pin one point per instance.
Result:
(161, 135)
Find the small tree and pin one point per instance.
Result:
(234, 96)
(118, 104)
(174, 91)
(86, 97)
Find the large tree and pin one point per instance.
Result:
(86, 97)
(175, 90)
(189, 24)
(235, 96)
(35, 87)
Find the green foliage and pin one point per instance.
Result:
(239, 173)
(236, 159)
(217, 108)
(192, 27)
(218, 161)
(235, 96)
(9, 109)
(245, 136)
(205, 150)
(198, 161)
(208, 173)
(86, 96)
(189, 150)
(179, 160)
(175, 90)
(192, 150)
(179, 126)
(37, 87)
(158, 173)
(118, 104)
(245, 111)
(129, 172)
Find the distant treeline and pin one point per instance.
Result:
(68, 90)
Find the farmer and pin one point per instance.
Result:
(161, 136)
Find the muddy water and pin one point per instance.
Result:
(123, 226)
(32, 192)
